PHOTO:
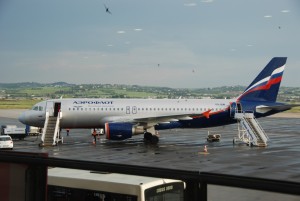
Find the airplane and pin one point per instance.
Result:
(123, 118)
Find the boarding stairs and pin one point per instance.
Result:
(51, 131)
(249, 130)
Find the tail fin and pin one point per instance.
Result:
(266, 85)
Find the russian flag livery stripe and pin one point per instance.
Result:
(266, 85)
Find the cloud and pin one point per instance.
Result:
(285, 11)
(121, 32)
(267, 16)
(138, 29)
(190, 4)
(207, 1)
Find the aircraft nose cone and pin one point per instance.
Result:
(22, 118)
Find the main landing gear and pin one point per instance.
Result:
(149, 138)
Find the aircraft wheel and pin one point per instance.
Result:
(154, 139)
(147, 137)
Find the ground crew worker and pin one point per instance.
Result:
(94, 134)
(68, 130)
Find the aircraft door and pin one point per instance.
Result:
(50, 108)
(239, 108)
(53, 108)
(232, 109)
(235, 108)
(57, 107)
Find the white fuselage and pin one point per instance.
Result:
(94, 113)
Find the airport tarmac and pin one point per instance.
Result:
(184, 149)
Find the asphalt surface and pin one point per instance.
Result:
(184, 149)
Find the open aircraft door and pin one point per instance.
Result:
(53, 108)
(235, 107)
(232, 109)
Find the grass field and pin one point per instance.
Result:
(17, 104)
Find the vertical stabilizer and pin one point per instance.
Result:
(266, 85)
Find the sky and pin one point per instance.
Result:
(167, 43)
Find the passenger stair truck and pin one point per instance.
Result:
(249, 130)
(51, 131)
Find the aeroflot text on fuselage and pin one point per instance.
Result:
(94, 102)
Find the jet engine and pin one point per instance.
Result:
(122, 131)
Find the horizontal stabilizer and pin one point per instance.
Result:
(265, 109)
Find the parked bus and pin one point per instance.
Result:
(82, 185)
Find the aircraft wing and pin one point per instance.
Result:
(170, 118)
(158, 119)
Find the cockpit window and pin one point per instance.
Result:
(37, 108)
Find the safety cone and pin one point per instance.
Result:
(205, 148)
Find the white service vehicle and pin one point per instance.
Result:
(13, 131)
(6, 142)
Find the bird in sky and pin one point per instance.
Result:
(106, 9)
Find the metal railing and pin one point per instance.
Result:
(196, 181)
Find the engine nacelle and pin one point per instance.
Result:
(122, 131)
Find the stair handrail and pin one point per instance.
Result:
(56, 130)
(264, 137)
(249, 131)
(45, 126)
